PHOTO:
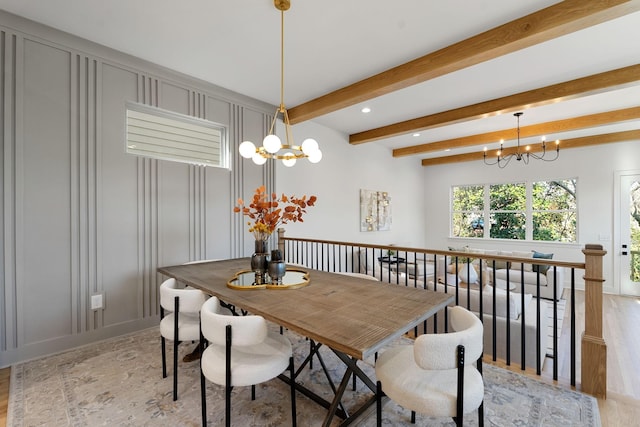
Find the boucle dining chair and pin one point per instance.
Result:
(240, 351)
(182, 323)
(436, 375)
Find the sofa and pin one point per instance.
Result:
(469, 298)
(517, 273)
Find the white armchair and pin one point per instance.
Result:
(241, 351)
(436, 376)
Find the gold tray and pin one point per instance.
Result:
(244, 280)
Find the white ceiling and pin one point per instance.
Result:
(330, 44)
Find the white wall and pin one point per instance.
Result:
(337, 180)
(594, 167)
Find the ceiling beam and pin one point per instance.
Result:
(590, 85)
(540, 129)
(554, 21)
(584, 141)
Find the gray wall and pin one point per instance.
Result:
(79, 216)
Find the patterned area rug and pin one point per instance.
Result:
(119, 382)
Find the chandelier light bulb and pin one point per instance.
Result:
(309, 146)
(247, 149)
(271, 143)
(315, 157)
(289, 159)
(258, 159)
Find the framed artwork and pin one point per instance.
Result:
(375, 210)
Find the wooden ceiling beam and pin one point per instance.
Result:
(590, 85)
(554, 21)
(585, 141)
(539, 129)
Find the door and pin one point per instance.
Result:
(629, 235)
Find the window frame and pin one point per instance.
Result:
(528, 211)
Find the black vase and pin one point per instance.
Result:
(260, 261)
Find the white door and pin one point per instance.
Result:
(629, 249)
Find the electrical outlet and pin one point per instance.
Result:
(96, 302)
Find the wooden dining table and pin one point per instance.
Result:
(352, 316)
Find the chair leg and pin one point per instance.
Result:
(175, 347)
(378, 404)
(203, 388)
(413, 417)
(164, 358)
(164, 351)
(227, 382)
(175, 370)
(481, 415)
(294, 421)
(253, 392)
(227, 405)
(460, 398)
(203, 399)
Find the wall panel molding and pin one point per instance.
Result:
(111, 228)
(8, 299)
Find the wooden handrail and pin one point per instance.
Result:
(448, 253)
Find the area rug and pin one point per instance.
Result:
(119, 382)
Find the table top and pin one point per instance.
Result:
(349, 314)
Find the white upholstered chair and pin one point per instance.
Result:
(240, 351)
(436, 376)
(182, 323)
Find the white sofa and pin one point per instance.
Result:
(517, 273)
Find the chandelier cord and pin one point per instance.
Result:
(282, 61)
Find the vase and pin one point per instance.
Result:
(277, 267)
(260, 261)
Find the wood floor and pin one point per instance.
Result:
(622, 406)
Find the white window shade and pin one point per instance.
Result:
(161, 134)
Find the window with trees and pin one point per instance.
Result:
(543, 210)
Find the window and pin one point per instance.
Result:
(161, 134)
(554, 210)
(507, 215)
(468, 211)
(543, 211)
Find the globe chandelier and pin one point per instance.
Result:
(272, 146)
(503, 159)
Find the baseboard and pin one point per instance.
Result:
(61, 344)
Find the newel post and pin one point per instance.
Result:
(281, 242)
(594, 349)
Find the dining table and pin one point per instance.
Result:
(352, 316)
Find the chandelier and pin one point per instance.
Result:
(524, 156)
(272, 147)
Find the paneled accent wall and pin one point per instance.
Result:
(79, 215)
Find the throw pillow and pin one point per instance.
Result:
(541, 267)
(468, 273)
(524, 266)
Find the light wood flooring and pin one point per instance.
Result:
(622, 406)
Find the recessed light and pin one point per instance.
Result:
(416, 134)
(447, 149)
(366, 110)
